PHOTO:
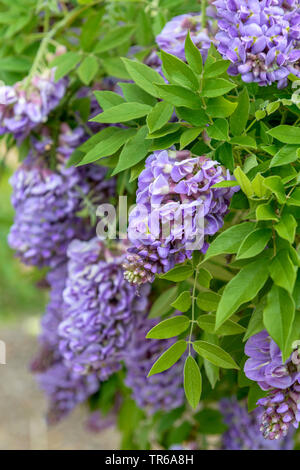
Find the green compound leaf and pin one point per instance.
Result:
(215, 354)
(192, 381)
(168, 358)
(169, 328)
(242, 288)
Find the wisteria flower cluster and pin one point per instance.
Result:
(260, 38)
(282, 380)
(243, 429)
(99, 309)
(174, 194)
(47, 200)
(26, 105)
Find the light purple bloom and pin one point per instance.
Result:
(100, 309)
(243, 431)
(46, 199)
(265, 366)
(174, 194)
(24, 106)
(260, 38)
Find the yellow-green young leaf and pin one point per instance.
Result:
(163, 303)
(254, 243)
(159, 116)
(133, 151)
(183, 302)
(178, 72)
(282, 271)
(208, 322)
(294, 198)
(208, 301)
(123, 112)
(265, 212)
(193, 55)
(279, 315)
(88, 69)
(287, 154)
(144, 76)
(189, 135)
(168, 358)
(276, 186)
(286, 227)
(242, 288)
(192, 381)
(134, 93)
(220, 107)
(286, 134)
(239, 118)
(204, 277)
(167, 129)
(169, 328)
(243, 181)
(178, 274)
(258, 185)
(218, 130)
(230, 240)
(215, 354)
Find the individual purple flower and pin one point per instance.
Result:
(47, 197)
(100, 309)
(24, 105)
(243, 431)
(172, 37)
(281, 412)
(265, 365)
(162, 391)
(174, 196)
(260, 38)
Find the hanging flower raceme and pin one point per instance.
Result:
(100, 309)
(260, 38)
(172, 37)
(65, 390)
(162, 391)
(47, 200)
(24, 105)
(282, 380)
(176, 208)
(243, 429)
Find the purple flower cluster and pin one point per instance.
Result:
(64, 389)
(243, 429)
(99, 309)
(282, 380)
(261, 38)
(174, 196)
(265, 366)
(47, 200)
(24, 106)
(162, 391)
(172, 37)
